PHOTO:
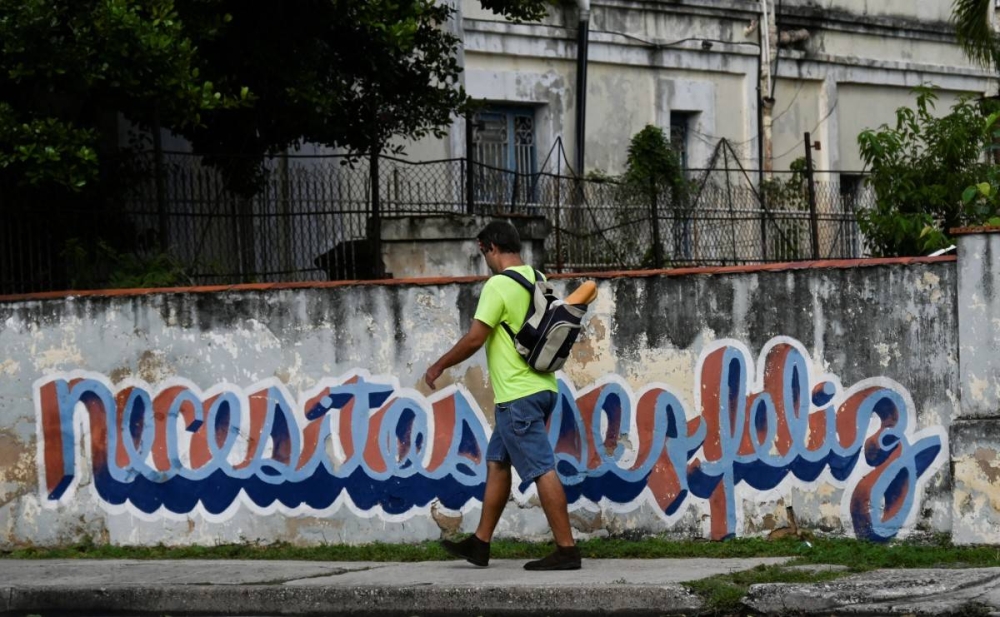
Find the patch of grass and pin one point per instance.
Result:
(648, 548)
(427, 551)
(974, 609)
(855, 554)
(936, 553)
(723, 594)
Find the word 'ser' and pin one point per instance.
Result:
(392, 452)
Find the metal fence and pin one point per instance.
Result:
(314, 218)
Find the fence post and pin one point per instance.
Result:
(161, 186)
(762, 192)
(513, 194)
(376, 240)
(558, 230)
(286, 241)
(813, 222)
(470, 160)
(729, 200)
(760, 160)
(655, 212)
(248, 248)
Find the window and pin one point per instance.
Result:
(504, 139)
(850, 190)
(680, 122)
(852, 193)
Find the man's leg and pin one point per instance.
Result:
(535, 447)
(476, 548)
(498, 479)
(553, 498)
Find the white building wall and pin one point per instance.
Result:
(860, 63)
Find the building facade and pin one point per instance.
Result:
(830, 67)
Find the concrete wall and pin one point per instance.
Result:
(697, 405)
(869, 107)
(446, 245)
(646, 60)
(976, 433)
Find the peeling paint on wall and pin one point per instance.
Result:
(365, 443)
(648, 335)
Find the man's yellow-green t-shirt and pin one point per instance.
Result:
(504, 300)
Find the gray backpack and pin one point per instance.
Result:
(550, 327)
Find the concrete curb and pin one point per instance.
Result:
(241, 588)
(883, 592)
(354, 601)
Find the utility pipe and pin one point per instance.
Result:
(582, 38)
(765, 42)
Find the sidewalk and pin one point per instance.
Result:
(628, 587)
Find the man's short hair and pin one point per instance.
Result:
(502, 235)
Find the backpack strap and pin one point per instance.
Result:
(509, 331)
(523, 282)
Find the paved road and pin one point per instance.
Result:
(632, 587)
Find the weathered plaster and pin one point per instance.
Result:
(890, 46)
(979, 305)
(976, 464)
(644, 332)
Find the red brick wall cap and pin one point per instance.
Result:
(829, 264)
(979, 229)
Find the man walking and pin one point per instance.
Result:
(524, 400)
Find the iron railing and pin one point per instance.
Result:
(311, 218)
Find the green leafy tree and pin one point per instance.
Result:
(789, 193)
(790, 237)
(982, 200)
(920, 169)
(239, 79)
(654, 178)
(982, 44)
(975, 32)
(352, 74)
(67, 65)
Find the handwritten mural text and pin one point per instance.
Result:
(389, 451)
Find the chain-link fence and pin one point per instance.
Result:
(616, 226)
(315, 218)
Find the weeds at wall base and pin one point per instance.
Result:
(933, 551)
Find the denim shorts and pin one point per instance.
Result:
(520, 437)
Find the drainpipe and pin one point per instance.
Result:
(765, 99)
(765, 42)
(760, 157)
(582, 36)
(762, 92)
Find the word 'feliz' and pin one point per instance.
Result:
(390, 451)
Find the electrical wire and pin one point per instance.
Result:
(706, 136)
(802, 141)
(790, 103)
(659, 46)
(644, 41)
(647, 43)
(777, 53)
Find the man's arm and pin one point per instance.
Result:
(461, 351)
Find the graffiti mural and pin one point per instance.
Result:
(380, 448)
(365, 443)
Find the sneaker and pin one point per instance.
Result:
(471, 549)
(563, 558)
